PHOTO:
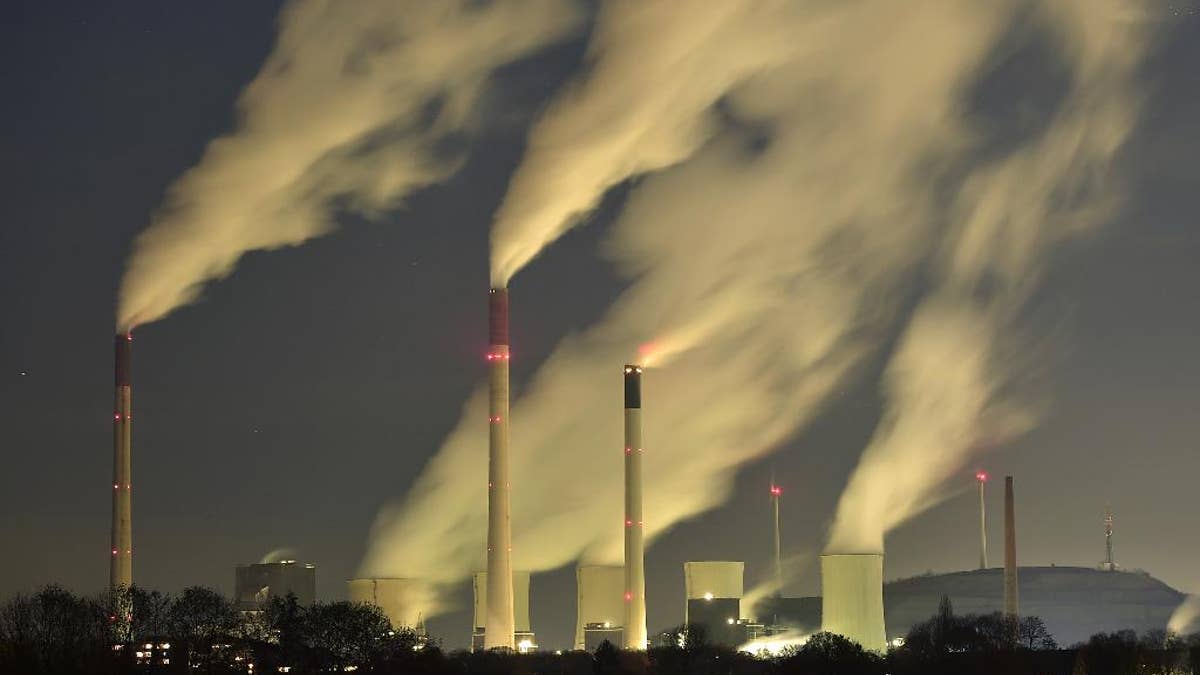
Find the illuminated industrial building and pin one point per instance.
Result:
(714, 600)
(255, 585)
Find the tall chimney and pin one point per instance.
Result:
(983, 562)
(121, 567)
(1010, 551)
(499, 629)
(635, 549)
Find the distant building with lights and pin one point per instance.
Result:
(257, 584)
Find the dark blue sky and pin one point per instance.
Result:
(308, 389)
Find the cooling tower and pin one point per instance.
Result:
(522, 637)
(121, 566)
(714, 599)
(1010, 551)
(500, 622)
(852, 598)
(634, 620)
(398, 598)
(600, 609)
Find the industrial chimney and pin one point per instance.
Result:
(1010, 551)
(121, 566)
(635, 551)
(852, 598)
(499, 627)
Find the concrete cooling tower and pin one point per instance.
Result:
(600, 609)
(852, 598)
(523, 637)
(714, 599)
(396, 597)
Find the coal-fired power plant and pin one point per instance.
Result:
(121, 566)
(635, 545)
(852, 598)
(499, 625)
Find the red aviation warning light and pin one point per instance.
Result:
(776, 491)
(981, 476)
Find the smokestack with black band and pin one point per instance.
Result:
(635, 551)
(1010, 551)
(500, 629)
(121, 567)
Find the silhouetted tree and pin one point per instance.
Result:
(1032, 634)
(54, 631)
(832, 654)
(341, 634)
(151, 613)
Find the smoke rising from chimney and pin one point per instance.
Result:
(949, 387)
(647, 103)
(794, 198)
(347, 113)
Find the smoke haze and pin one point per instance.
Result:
(798, 187)
(350, 111)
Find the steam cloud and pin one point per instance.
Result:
(949, 384)
(802, 154)
(1186, 617)
(347, 112)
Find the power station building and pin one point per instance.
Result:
(254, 585)
(1074, 602)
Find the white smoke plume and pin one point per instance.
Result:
(347, 112)
(949, 384)
(657, 69)
(769, 251)
(1186, 617)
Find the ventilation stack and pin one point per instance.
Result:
(600, 609)
(852, 598)
(499, 618)
(635, 551)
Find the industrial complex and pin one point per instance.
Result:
(611, 599)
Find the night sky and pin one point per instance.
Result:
(308, 389)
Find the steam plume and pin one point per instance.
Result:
(1186, 617)
(347, 112)
(646, 104)
(767, 254)
(949, 384)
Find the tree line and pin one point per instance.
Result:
(54, 631)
